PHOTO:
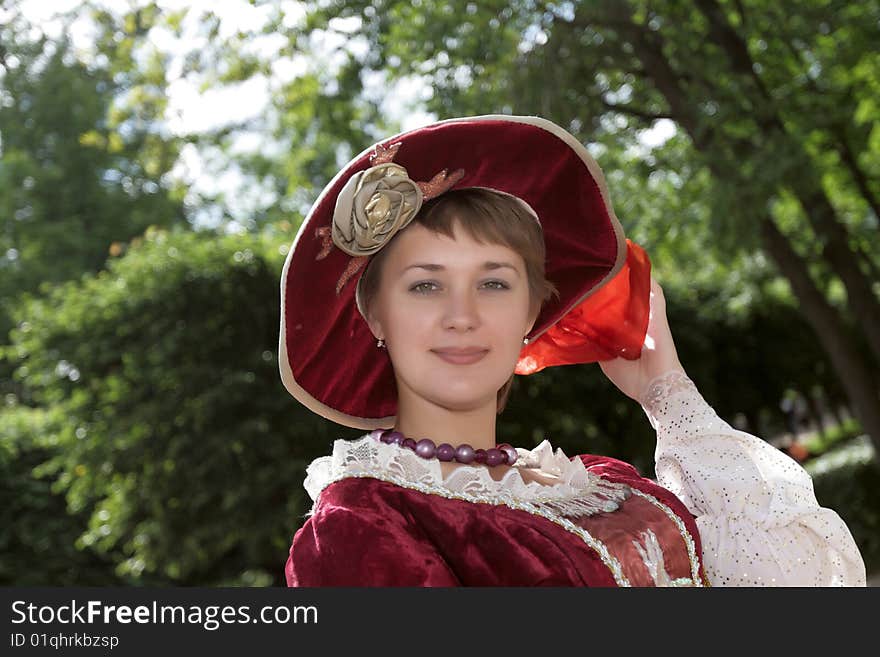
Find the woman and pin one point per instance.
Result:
(410, 299)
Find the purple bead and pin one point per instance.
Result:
(445, 452)
(409, 443)
(426, 448)
(510, 451)
(397, 438)
(495, 457)
(464, 453)
(480, 456)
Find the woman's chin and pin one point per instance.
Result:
(464, 400)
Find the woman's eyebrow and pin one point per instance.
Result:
(488, 266)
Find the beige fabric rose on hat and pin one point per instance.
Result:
(372, 207)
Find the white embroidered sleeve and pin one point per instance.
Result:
(759, 521)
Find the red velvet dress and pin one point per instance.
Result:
(607, 527)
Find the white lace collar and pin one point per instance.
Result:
(578, 491)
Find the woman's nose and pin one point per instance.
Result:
(462, 311)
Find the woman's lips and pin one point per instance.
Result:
(462, 358)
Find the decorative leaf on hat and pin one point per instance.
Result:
(382, 154)
(323, 234)
(440, 184)
(353, 267)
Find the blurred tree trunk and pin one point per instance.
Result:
(854, 375)
(835, 250)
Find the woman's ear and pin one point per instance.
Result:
(533, 317)
(375, 328)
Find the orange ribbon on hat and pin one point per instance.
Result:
(610, 323)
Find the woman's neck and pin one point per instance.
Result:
(418, 418)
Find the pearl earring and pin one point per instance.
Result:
(380, 343)
(525, 340)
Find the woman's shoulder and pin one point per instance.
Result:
(363, 498)
(621, 472)
(608, 466)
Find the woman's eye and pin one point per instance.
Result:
(497, 285)
(422, 287)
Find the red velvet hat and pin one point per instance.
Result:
(327, 355)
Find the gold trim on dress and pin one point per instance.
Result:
(696, 579)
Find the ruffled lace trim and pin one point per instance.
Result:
(660, 388)
(579, 492)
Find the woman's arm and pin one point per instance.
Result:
(759, 520)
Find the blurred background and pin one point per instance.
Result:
(156, 159)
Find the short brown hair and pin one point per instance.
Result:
(488, 217)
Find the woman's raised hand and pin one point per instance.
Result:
(658, 352)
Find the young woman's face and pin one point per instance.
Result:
(453, 314)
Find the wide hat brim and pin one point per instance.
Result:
(328, 357)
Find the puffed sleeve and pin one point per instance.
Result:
(757, 514)
(367, 545)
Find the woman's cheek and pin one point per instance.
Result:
(409, 329)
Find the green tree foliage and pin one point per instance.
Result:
(77, 176)
(39, 536)
(165, 418)
(80, 174)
